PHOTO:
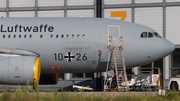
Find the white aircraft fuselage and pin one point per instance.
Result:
(78, 45)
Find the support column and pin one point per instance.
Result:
(166, 71)
(170, 64)
(67, 76)
(36, 8)
(152, 70)
(98, 14)
(166, 59)
(98, 8)
(7, 8)
(95, 9)
(102, 80)
(65, 8)
(98, 81)
(132, 14)
(95, 81)
(102, 8)
(135, 70)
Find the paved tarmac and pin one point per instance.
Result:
(107, 93)
(102, 93)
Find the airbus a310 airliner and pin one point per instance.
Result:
(31, 46)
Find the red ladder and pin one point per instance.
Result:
(119, 61)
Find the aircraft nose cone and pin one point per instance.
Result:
(168, 47)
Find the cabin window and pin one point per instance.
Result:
(62, 36)
(156, 34)
(14, 36)
(3, 36)
(67, 35)
(150, 35)
(83, 35)
(57, 36)
(78, 36)
(25, 36)
(51, 35)
(72, 35)
(9, 36)
(144, 35)
(41, 36)
(30, 36)
(19, 36)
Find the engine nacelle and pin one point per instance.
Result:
(17, 69)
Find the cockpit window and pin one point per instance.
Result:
(150, 35)
(157, 35)
(144, 35)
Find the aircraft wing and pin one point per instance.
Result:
(17, 51)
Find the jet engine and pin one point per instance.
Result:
(17, 69)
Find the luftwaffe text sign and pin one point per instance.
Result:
(21, 28)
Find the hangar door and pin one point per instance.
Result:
(114, 31)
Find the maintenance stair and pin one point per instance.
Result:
(116, 55)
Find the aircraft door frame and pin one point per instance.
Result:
(116, 40)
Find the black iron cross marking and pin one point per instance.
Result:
(69, 57)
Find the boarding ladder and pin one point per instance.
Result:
(119, 67)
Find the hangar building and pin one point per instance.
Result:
(161, 15)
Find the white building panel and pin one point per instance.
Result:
(107, 13)
(79, 2)
(107, 2)
(148, 1)
(173, 24)
(151, 17)
(172, 0)
(22, 14)
(2, 3)
(21, 3)
(3, 14)
(59, 13)
(50, 2)
(80, 13)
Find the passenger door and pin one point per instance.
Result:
(114, 31)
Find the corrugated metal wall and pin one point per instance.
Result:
(173, 24)
(21, 3)
(22, 14)
(52, 13)
(107, 2)
(80, 13)
(48, 8)
(3, 6)
(2, 3)
(79, 2)
(46, 3)
(107, 13)
(148, 1)
(151, 17)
